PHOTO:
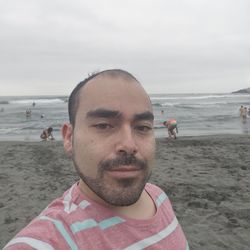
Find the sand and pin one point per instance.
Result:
(207, 179)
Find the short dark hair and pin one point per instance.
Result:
(50, 129)
(73, 101)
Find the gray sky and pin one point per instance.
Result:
(171, 46)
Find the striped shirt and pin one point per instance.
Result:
(76, 222)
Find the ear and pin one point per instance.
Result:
(67, 134)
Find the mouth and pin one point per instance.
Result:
(124, 172)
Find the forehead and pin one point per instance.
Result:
(114, 93)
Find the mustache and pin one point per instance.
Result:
(128, 159)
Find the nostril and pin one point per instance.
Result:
(126, 142)
(125, 151)
(122, 151)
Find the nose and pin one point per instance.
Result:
(126, 141)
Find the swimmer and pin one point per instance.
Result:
(241, 110)
(244, 114)
(28, 112)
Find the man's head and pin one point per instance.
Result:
(50, 129)
(110, 136)
(74, 96)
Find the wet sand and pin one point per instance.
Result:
(207, 179)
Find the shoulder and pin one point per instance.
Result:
(160, 198)
(49, 230)
(153, 187)
(40, 234)
(157, 194)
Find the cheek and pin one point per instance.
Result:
(152, 152)
(149, 150)
(87, 154)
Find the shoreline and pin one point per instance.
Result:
(163, 135)
(207, 179)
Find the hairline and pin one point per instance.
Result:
(74, 96)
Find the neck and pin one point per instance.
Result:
(134, 211)
(143, 209)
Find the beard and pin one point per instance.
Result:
(118, 192)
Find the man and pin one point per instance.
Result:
(28, 113)
(47, 134)
(241, 111)
(244, 114)
(171, 125)
(111, 141)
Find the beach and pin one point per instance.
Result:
(207, 178)
(196, 114)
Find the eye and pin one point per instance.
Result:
(143, 128)
(103, 126)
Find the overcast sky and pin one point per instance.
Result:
(171, 46)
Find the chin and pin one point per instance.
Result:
(125, 194)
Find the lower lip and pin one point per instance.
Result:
(124, 173)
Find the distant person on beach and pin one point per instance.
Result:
(241, 111)
(111, 141)
(28, 113)
(33, 104)
(2, 110)
(244, 114)
(171, 125)
(47, 134)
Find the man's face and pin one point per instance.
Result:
(113, 143)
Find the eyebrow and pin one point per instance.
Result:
(103, 113)
(144, 116)
(106, 113)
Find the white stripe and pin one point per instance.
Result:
(161, 198)
(187, 246)
(83, 204)
(60, 227)
(68, 208)
(154, 238)
(37, 244)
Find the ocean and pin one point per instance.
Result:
(196, 114)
